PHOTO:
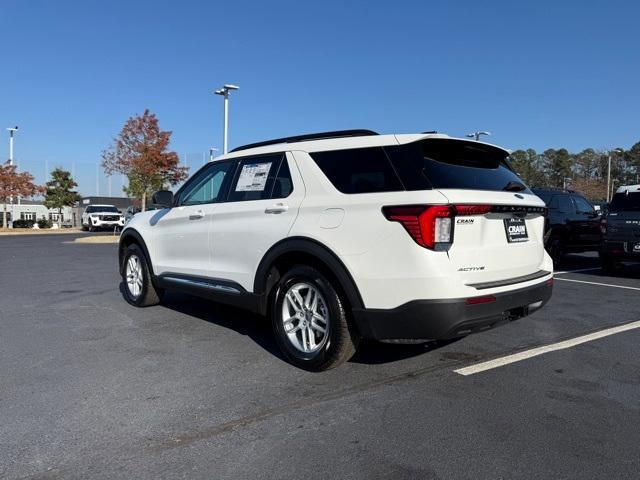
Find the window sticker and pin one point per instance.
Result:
(253, 177)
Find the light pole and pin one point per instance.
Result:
(476, 135)
(616, 150)
(212, 154)
(11, 131)
(224, 91)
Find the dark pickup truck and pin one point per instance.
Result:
(621, 229)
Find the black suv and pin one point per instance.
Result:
(572, 224)
(621, 229)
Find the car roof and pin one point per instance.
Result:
(100, 205)
(628, 188)
(341, 143)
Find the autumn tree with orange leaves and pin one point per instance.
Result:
(141, 153)
(14, 184)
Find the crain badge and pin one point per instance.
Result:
(464, 221)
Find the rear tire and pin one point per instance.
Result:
(310, 321)
(136, 277)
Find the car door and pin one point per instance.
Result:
(182, 234)
(261, 206)
(565, 214)
(587, 223)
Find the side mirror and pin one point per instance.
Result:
(163, 198)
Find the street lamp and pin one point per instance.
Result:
(11, 131)
(476, 135)
(212, 154)
(224, 91)
(616, 150)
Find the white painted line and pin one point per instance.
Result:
(534, 352)
(576, 271)
(597, 283)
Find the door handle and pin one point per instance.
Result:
(197, 215)
(277, 208)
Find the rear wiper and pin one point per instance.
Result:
(514, 187)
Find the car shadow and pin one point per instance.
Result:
(591, 261)
(258, 329)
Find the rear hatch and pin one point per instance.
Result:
(502, 244)
(623, 219)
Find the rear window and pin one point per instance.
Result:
(442, 163)
(625, 202)
(359, 170)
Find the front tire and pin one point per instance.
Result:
(136, 277)
(310, 322)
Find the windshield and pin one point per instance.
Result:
(102, 209)
(625, 202)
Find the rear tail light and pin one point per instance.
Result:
(431, 226)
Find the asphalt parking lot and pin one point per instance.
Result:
(91, 387)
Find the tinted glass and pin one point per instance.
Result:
(565, 205)
(359, 170)
(99, 209)
(207, 185)
(625, 202)
(582, 205)
(441, 163)
(544, 196)
(283, 185)
(255, 178)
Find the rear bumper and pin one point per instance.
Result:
(443, 319)
(621, 250)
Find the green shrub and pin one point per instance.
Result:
(44, 223)
(23, 223)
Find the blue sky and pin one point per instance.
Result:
(536, 74)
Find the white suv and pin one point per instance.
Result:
(348, 235)
(96, 217)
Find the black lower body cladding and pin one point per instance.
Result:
(450, 318)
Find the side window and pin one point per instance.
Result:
(207, 185)
(565, 205)
(255, 178)
(359, 170)
(582, 205)
(283, 186)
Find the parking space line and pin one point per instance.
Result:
(534, 352)
(577, 270)
(597, 283)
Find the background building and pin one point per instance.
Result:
(71, 216)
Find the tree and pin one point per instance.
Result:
(59, 193)
(528, 166)
(14, 184)
(140, 153)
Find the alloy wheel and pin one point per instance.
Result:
(305, 318)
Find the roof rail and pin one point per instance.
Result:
(310, 136)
